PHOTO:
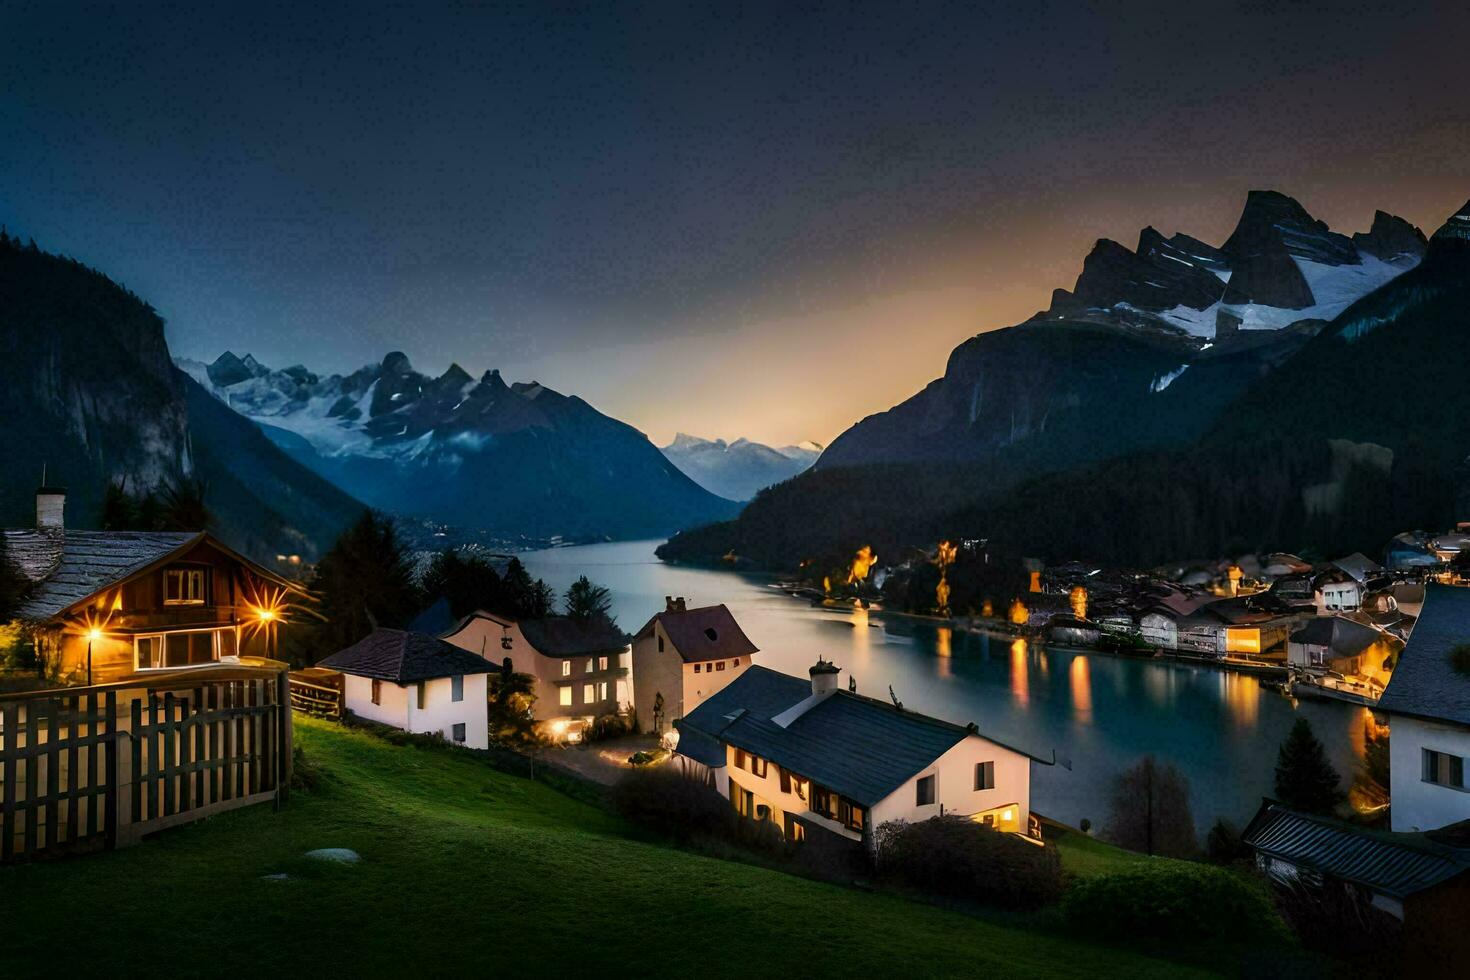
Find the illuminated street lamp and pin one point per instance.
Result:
(93, 635)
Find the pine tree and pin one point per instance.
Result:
(1305, 780)
(365, 580)
(587, 601)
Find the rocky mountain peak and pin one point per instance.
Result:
(1273, 223)
(1455, 232)
(229, 369)
(1390, 238)
(396, 362)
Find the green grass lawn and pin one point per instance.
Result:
(468, 869)
(1084, 856)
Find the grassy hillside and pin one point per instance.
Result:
(467, 869)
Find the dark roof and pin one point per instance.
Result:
(1343, 636)
(562, 636)
(69, 566)
(404, 657)
(1425, 683)
(703, 633)
(1394, 864)
(859, 747)
(436, 620)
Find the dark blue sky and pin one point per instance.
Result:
(765, 220)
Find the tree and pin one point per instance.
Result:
(468, 581)
(512, 704)
(1149, 810)
(183, 505)
(1305, 780)
(526, 599)
(586, 601)
(119, 509)
(365, 580)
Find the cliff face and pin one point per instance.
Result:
(91, 393)
(89, 389)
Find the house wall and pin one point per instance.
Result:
(1338, 596)
(768, 792)
(1160, 631)
(666, 673)
(357, 693)
(1419, 805)
(495, 639)
(712, 677)
(954, 786)
(441, 713)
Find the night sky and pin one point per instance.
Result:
(765, 221)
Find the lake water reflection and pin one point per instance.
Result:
(1099, 712)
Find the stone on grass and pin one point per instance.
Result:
(340, 855)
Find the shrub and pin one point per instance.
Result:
(956, 857)
(669, 802)
(1333, 918)
(1170, 900)
(1224, 846)
(604, 727)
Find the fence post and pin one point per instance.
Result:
(283, 738)
(113, 810)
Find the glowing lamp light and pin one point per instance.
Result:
(558, 728)
(265, 615)
(93, 635)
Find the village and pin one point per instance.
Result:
(163, 700)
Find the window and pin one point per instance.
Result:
(660, 644)
(587, 694)
(739, 758)
(696, 668)
(459, 732)
(183, 587)
(1444, 769)
(720, 665)
(623, 659)
(423, 694)
(785, 778)
(602, 690)
(185, 648)
(735, 662)
(711, 634)
(566, 668)
(564, 695)
(456, 688)
(589, 665)
(602, 663)
(984, 775)
(758, 766)
(850, 815)
(824, 802)
(924, 791)
(377, 691)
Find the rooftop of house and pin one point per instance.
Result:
(1426, 683)
(1393, 864)
(563, 636)
(703, 633)
(860, 747)
(405, 657)
(1343, 636)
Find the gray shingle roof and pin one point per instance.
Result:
(562, 636)
(859, 747)
(1395, 864)
(1425, 684)
(68, 567)
(1343, 636)
(704, 633)
(404, 657)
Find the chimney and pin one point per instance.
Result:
(824, 685)
(50, 508)
(679, 605)
(668, 603)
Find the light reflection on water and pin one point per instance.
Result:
(1101, 712)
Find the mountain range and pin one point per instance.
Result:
(1190, 382)
(738, 470)
(92, 397)
(517, 461)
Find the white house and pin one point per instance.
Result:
(418, 683)
(809, 756)
(1338, 591)
(683, 656)
(1428, 704)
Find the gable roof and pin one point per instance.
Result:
(1425, 684)
(704, 633)
(1342, 636)
(1394, 864)
(562, 636)
(860, 747)
(1359, 566)
(404, 657)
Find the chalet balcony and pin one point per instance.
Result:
(178, 617)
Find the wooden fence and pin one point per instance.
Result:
(315, 691)
(101, 767)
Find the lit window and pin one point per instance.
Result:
(183, 587)
(566, 668)
(623, 659)
(459, 732)
(1444, 769)
(587, 693)
(984, 775)
(602, 663)
(602, 690)
(188, 648)
(564, 696)
(456, 689)
(589, 665)
(924, 791)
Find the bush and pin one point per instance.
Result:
(956, 857)
(1224, 846)
(1171, 900)
(604, 727)
(671, 803)
(1333, 918)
